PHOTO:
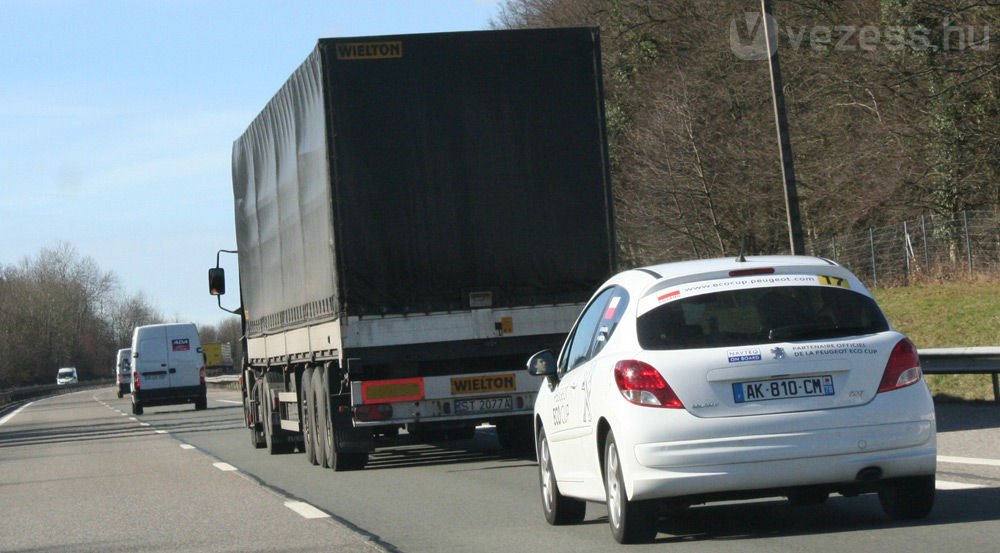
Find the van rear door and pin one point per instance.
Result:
(184, 356)
(152, 360)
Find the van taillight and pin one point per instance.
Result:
(201, 375)
(135, 379)
(903, 367)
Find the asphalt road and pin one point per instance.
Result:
(69, 468)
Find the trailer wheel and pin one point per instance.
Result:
(305, 403)
(277, 439)
(516, 434)
(320, 417)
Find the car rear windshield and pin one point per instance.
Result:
(760, 315)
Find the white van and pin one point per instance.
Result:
(123, 371)
(66, 375)
(168, 366)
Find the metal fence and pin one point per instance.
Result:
(931, 247)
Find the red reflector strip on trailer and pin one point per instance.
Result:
(403, 389)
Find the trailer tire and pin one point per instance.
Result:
(516, 434)
(276, 438)
(306, 404)
(320, 418)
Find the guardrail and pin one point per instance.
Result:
(977, 360)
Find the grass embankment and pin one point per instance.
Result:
(948, 315)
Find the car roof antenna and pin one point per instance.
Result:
(741, 259)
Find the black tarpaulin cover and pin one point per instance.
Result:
(397, 174)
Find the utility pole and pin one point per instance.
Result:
(784, 141)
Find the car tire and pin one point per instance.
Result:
(319, 417)
(119, 394)
(136, 408)
(559, 509)
(306, 405)
(201, 403)
(631, 521)
(908, 498)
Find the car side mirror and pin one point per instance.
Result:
(217, 281)
(542, 363)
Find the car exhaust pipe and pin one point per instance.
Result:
(869, 474)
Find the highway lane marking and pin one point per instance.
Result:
(143, 423)
(225, 467)
(305, 510)
(187, 446)
(12, 415)
(946, 485)
(160, 432)
(969, 461)
(228, 401)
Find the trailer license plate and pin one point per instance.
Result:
(783, 388)
(483, 405)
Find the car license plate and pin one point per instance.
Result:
(153, 376)
(483, 405)
(783, 388)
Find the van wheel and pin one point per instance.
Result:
(136, 408)
(306, 405)
(119, 393)
(200, 404)
(320, 418)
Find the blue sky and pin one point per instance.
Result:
(117, 120)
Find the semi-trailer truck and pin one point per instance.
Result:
(416, 215)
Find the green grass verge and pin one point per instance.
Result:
(947, 315)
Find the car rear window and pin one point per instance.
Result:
(759, 315)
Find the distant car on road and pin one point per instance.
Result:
(66, 375)
(698, 381)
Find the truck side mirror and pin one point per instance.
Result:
(217, 281)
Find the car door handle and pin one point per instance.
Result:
(172, 371)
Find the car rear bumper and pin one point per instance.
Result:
(788, 450)
(834, 471)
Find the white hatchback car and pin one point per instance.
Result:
(720, 379)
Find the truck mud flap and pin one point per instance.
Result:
(349, 439)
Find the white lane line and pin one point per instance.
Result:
(159, 431)
(132, 419)
(229, 401)
(187, 446)
(12, 415)
(945, 485)
(225, 467)
(143, 423)
(969, 461)
(305, 510)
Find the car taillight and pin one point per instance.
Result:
(135, 379)
(201, 375)
(643, 385)
(903, 367)
(373, 412)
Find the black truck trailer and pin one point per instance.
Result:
(415, 216)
